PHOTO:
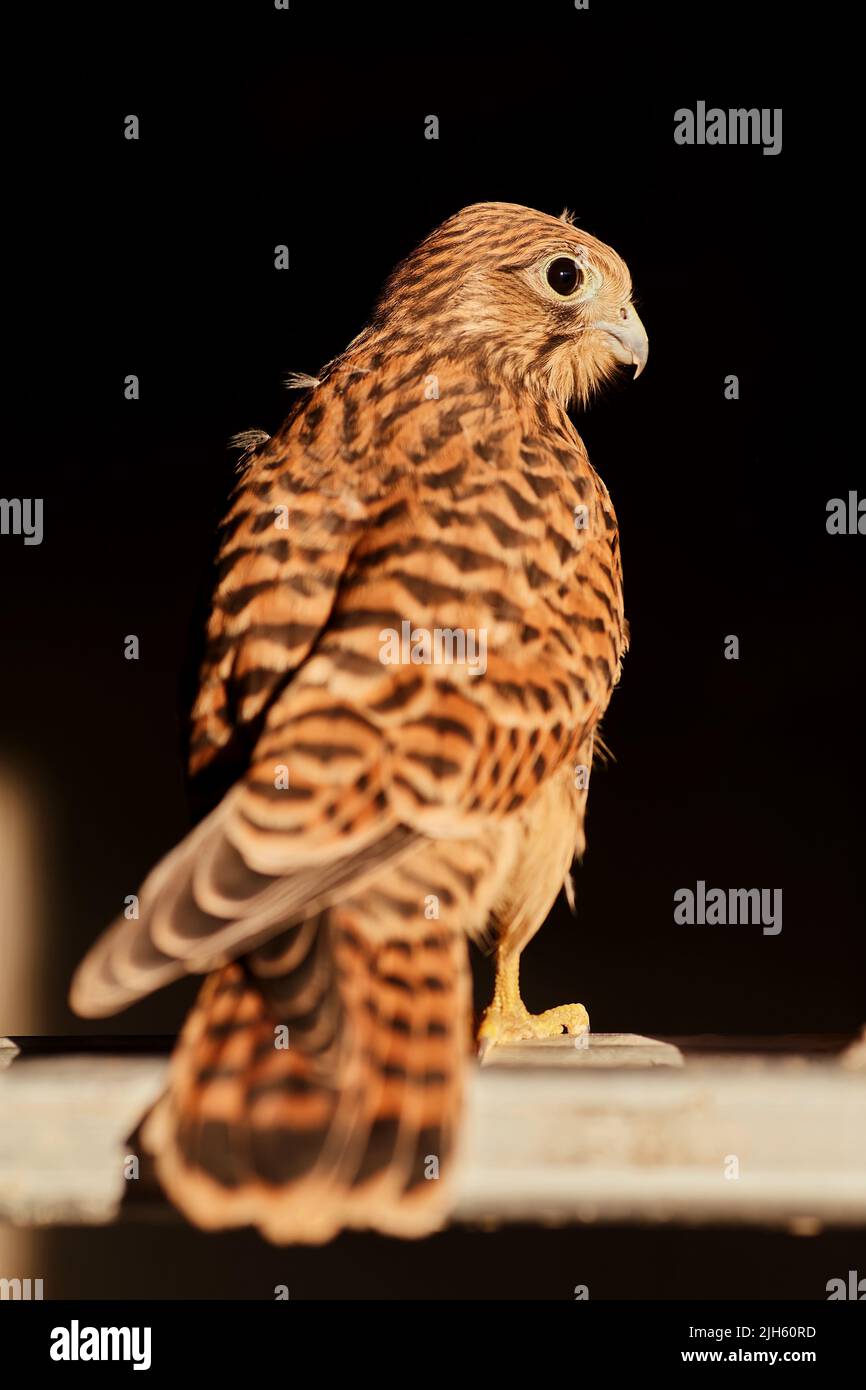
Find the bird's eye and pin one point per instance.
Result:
(564, 275)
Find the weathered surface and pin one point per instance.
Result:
(63, 1123)
(621, 1130)
(590, 1050)
(769, 1142)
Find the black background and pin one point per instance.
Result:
(156, 258)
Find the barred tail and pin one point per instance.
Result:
(317, 1083)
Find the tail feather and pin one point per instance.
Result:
(353, 1123)
(317, 1083)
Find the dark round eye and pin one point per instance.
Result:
(563, 275)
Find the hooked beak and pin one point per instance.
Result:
(627, 339)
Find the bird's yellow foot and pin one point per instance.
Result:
(517, 1024)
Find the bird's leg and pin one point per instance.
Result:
(507, 1020)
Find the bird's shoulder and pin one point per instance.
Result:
(409, 491)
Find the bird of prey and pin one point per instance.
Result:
(388, 801)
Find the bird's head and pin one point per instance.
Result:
(532, 299)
